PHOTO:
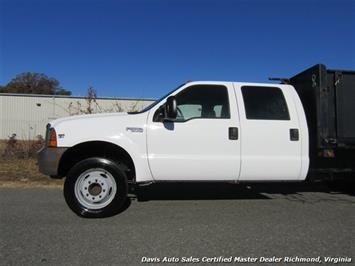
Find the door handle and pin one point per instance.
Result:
(233, 133)
(294, 134)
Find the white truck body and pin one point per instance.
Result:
(199, 149)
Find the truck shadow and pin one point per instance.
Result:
(222, 191)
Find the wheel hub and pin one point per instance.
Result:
(95, 188)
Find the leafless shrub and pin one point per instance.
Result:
(21, 149)
(134, 107)
(92, 106)
(91, 100)
(74, 108)
(117, 107)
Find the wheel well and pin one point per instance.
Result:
(103, 149)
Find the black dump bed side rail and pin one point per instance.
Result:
(342, 82)
(328, 97)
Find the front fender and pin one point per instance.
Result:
(112, 129)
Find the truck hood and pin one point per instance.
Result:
(109, 127)
(80, 118)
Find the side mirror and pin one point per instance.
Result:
(171, 108)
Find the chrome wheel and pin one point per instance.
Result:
(95, 188)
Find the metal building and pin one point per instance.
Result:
(26, 115)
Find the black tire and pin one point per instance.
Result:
(117, 202)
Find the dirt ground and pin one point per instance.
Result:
(22, 172)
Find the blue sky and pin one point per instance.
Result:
(146, 48)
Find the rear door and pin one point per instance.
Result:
(270, 133)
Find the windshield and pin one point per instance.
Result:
(156, 102)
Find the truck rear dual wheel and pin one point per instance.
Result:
(95, 188)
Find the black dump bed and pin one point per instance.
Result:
(328, 97)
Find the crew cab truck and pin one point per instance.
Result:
(206, 131)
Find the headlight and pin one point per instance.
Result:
(51, 137)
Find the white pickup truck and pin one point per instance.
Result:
(201, 131)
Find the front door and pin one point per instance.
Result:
(200, 144)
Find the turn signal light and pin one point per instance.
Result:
(52, 138)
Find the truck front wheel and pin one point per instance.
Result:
(95, 187)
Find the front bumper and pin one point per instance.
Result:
(48, 160)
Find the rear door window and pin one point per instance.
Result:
(265, 103)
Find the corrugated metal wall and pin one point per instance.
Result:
(27, 115)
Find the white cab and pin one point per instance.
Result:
(269, 139)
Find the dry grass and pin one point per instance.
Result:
(20, 170)
(2, 146)
(31, 184)
(17, 172)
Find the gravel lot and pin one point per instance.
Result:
(180, 220)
